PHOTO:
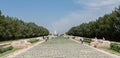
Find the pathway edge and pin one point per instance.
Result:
(116, 56)
(22, 50)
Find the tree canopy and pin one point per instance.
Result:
(107, 26)
(14, 28)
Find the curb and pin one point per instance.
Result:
(22, 50)
(113, 55)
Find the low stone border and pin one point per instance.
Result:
(22, 50)
(116, 56)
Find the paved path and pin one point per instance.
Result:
(62, 48)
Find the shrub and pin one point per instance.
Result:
(87, 40)
(4, 49)
(73, 37)
(33, 40)
(115, 46)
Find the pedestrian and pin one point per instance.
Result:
(46, 39)
(81, 39)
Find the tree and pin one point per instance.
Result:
(13, 28)
(107, 26)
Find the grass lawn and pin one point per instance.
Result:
(110, 51)
(8, 52)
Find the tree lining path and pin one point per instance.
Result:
(62, 48)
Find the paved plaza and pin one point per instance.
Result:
(62, 48)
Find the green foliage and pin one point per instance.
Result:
(33, 40)
(13, 28)
(87, 40)
(107, 26)
(115, 46)
(2, 50)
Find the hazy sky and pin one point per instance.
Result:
(59, 15)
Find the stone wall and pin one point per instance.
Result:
(100, 43)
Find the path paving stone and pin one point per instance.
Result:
(62, 48)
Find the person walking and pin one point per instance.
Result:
(81, 39)
(46, 39)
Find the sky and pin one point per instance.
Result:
(59, 15)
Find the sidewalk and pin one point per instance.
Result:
(63, 48)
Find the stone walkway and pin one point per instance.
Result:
(62, 48)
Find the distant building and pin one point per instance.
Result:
(55, 32)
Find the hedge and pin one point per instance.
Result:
(115, 46)
(4, 49)
(33, 40)
(87, 40)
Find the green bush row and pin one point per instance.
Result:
(12, 28)
(87, 40)
(4, 49)
(115, 46)
(33, 40)
(106, 24)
